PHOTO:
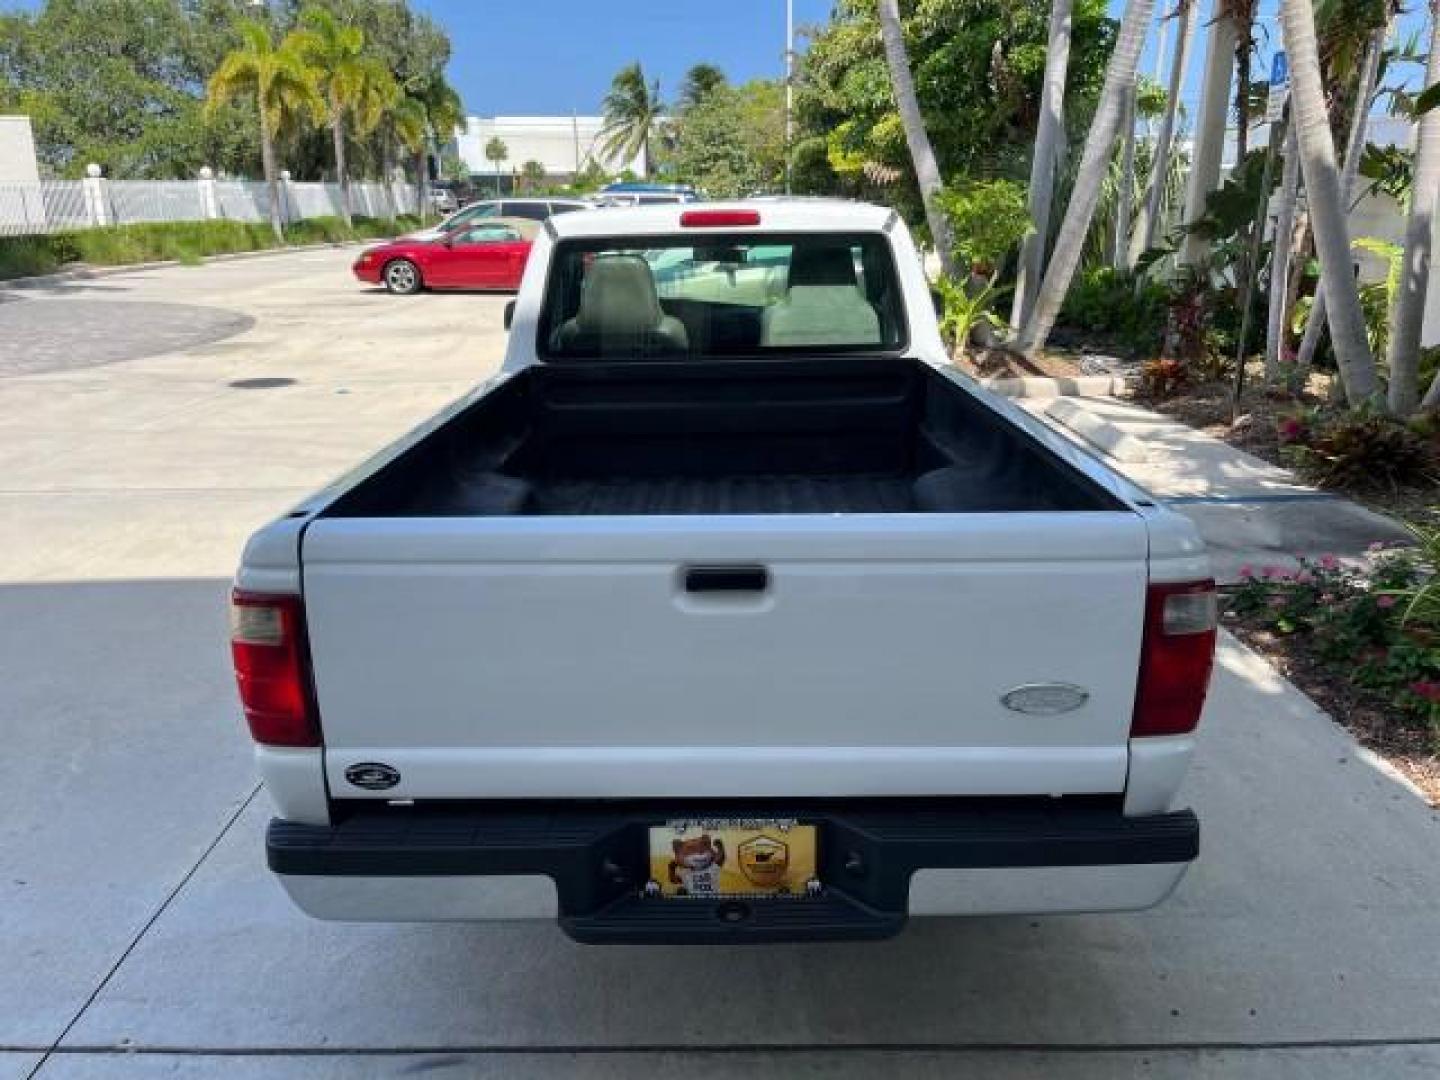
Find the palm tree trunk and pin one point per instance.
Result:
(420, 201)
(1048, 132)
(1153, 212)
(1243, 20)
(1209, 127)
(387, 172)
(272, 179)
(1328, 208)
(337, 135)
(1119, 73)
(1349, 169)
(1280, 258)
(1125, 195)
(1408, 316)
(922, 154)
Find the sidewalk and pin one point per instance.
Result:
(1248, 511)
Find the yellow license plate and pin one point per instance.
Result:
(720, 857)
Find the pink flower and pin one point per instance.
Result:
(1304, 577)
(1329, 562)
(1385, 602)
(1268, 572)
(1428, 689)
(1247, 571)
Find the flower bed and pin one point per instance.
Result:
(1364, 643)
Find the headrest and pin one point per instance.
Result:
(618, 296)
(821, 264)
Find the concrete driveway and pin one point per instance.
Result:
(141, 936)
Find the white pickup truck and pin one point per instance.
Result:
(728, 611)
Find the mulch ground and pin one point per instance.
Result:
(997, 363)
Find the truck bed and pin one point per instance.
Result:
(805, 436)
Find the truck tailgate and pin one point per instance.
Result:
(852, 655)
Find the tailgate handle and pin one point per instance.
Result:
(714, 579)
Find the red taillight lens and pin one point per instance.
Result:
(1175, 659)
(267, 642)
(718, 219)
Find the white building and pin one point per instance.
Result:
(17, 151)
(564, 145)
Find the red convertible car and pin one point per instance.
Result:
(488, 254)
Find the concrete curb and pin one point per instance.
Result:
(89, 273)
(1038, 386)
(1098, 432)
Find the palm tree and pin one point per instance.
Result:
(409, 124)
(1153, 211)
(1242, 18)
(631, 108)
(1209, 127)
(279, 82)
(1125, 192)
(533, 173)
(355, 87)
(496, 152)
(442, 114)
(1042, 162)
(1280, 257)
(700, 83)
(1409, 312)
(1327, 205)
(1349, 169)
(922, 154)
(1089, 177)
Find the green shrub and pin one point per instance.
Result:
(1105, 303)
(989, 218)
(1359, 621)
(1359, 450)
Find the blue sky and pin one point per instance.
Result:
(552, 56)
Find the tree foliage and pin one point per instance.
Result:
(122, 82)
(731, 143)
(978, 67)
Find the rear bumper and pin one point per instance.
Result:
(880, 864)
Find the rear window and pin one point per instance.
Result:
(721, 296)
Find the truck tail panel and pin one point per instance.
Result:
(726, 657)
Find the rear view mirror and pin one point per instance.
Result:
(509, 314)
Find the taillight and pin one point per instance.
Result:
(267, 642)
(718, 219)
(1175, 658)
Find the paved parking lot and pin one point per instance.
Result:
(141, 936)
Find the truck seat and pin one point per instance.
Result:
(823, 305)
(620, 312)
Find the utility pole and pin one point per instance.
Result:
(789, 86)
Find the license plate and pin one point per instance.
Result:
(721, 857)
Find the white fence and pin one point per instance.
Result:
(60, 205)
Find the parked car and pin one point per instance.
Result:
(443, 200)
(536, 209)
(488, 253)
(730, 610)
(640, 193)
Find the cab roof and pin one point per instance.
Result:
(777, 215)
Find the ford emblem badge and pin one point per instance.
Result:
(1045, 699)
(372, 775)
